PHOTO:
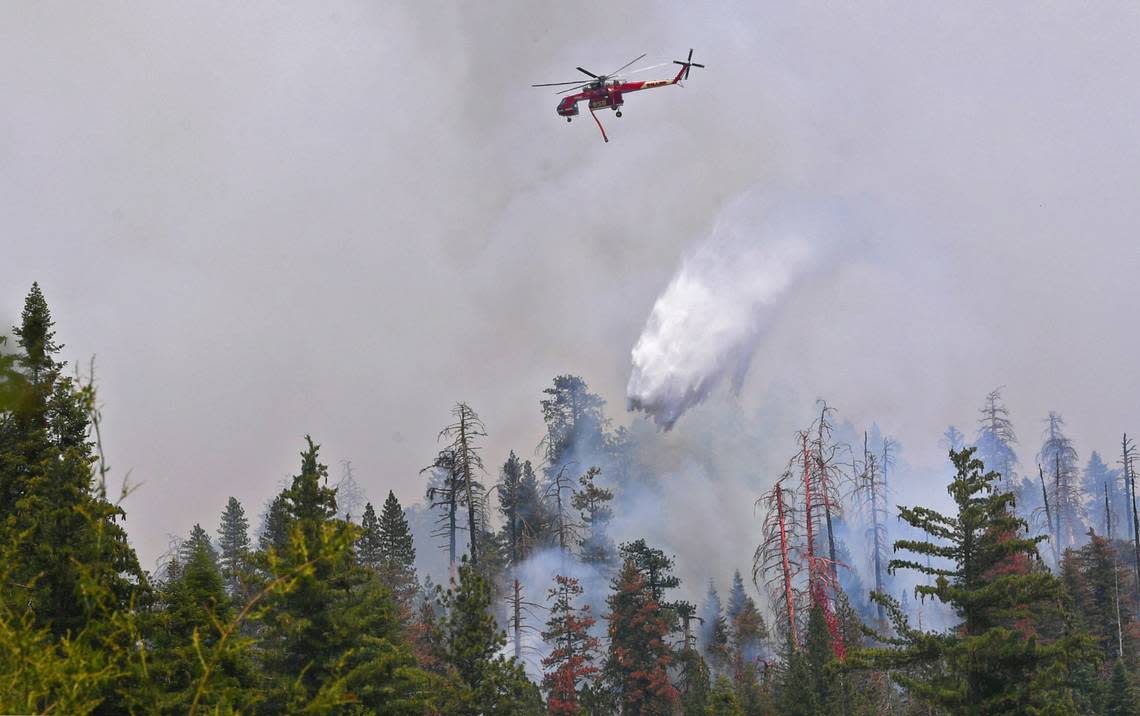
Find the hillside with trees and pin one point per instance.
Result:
(1022, 597)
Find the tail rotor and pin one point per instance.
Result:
(688, 64)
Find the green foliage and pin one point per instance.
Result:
(1123, 699)
(234, 545)
(397, 565)
(640, 655)
(368, 549)
(990, 663)
(481, 679)
(592, 502)
(330, 637)
(570, 669)
(722, 699)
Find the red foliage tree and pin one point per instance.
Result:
(639, 656)
(574, 650)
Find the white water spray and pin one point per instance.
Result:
(729, 289)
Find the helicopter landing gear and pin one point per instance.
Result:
(619, 113)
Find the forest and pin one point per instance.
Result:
(1020, 599)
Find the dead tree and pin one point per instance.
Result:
(773, 567)
(871, 499)
(463, 434)
(443, 491)
(1065, 500)
(1127, 463)
(564, 525)
(1049, 517)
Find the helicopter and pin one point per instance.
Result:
(604, 91)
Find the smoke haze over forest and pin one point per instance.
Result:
(269, 220)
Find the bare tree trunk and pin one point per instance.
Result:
(452, 506)
(465, 463)
(1049, 516)
(1107, 514)
(516, 602)
(1130, 480)
(787, 567)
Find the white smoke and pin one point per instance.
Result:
(729, 289)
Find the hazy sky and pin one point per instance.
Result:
(268, 219)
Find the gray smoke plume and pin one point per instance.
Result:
(729, 289)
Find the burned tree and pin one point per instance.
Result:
(562, 521)
(871, 497)
(1058, 461)
(996, 438)
(773, 568)
(1128, 470)
(464, 434)
(443, 493)
(518, 500)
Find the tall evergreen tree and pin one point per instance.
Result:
(51, 504)
(274, 532)
(368, 549)
(986, 664)
(335, 632)
(233, 545)
(483, 681)
(592, 502)
(1123, 699)
(654, 566)
(714, 631)
(397, 553)
(570, 666)
(640, 655)
(575, 424)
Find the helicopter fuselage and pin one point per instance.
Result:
(609, 95)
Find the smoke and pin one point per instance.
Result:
(729, 290)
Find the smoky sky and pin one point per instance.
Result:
(272, 219)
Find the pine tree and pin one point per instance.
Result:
(570, 667)
(654, 566)
(483, 680)
(368, 549)
(397, 553)
(233, 545)
(575, 424)
(714, 631)
(1096, 584)
(722, 699)
(334, 633)
(464, 435)
(274, 532)
(517, 537)
(52, 508)
(592, 502)
(1122, 697)
(639, 656)
(985, 664)
(192, 604)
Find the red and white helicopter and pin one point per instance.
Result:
(604, 91)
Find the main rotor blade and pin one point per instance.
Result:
(555, 84)
(581, 86)
(580, 69)
(625, 65)
(646, 69)
(690, 60)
